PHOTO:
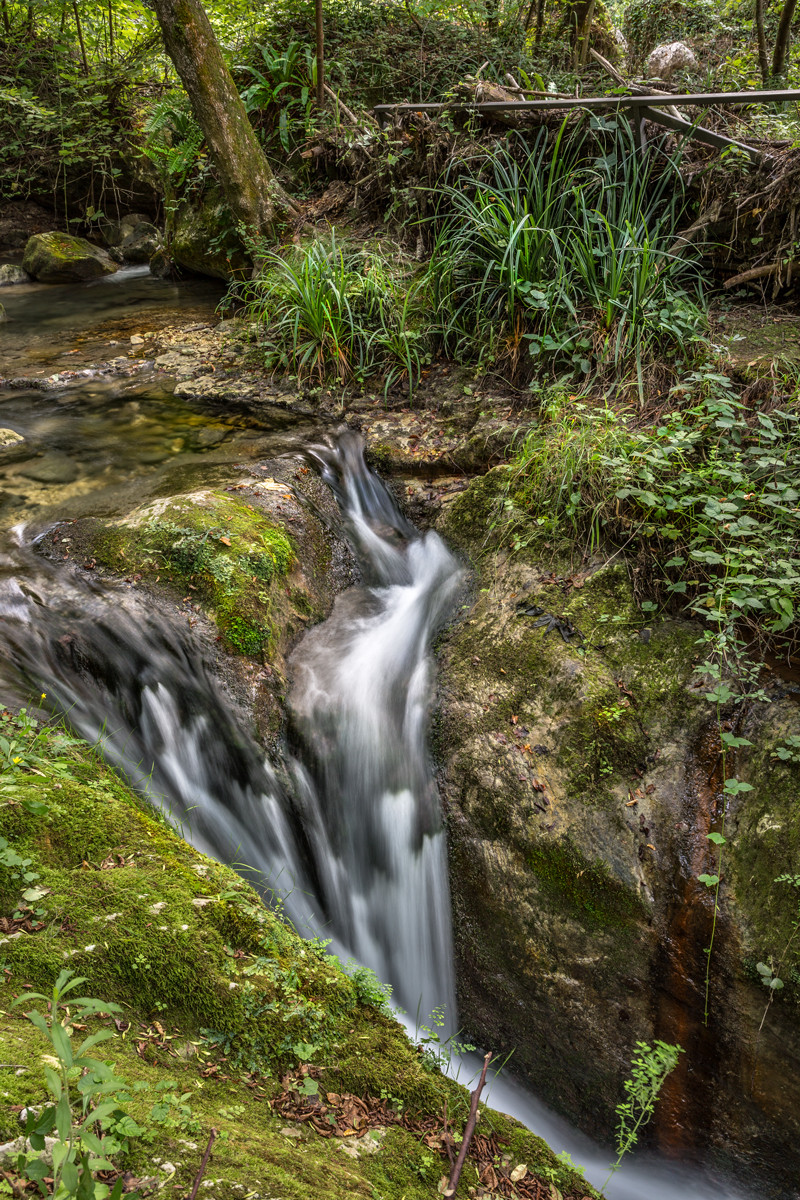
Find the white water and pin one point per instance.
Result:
(355, 845)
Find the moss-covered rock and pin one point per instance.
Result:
(223, 1005)
(204, 238)
(62, 258)
(580, 769)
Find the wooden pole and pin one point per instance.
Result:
(320, 55)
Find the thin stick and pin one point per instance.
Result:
(203, 1164)
(468, 1132)
(320, 54)
(447, 1138)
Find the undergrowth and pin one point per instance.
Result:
(709, 492)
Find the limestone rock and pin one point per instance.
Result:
(11, 274)
(10, 437)
(670, 57)
(62, 258)
(116, 232)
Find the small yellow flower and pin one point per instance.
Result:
(16, 760)
(44, 696)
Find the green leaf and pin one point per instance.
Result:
(763, 969)
(63, 1118)
(776, 983)
(716, 838)
(709, 880)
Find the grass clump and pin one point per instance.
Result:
(326, 310)
(549, 258)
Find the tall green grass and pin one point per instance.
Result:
(324, 310)
(548, 255)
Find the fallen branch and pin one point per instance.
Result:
(348, 112)
(758, 273)
(689, 235)
(635, 88)
(203, 1164)
(450, 1190)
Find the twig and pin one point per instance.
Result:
(203, 1164)
(450, 1190)
(447, 1139)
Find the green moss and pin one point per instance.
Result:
(766, 845)
(219, 551)
(583, 889)
(217, 995)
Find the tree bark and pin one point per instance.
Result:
(320, 32)
(763, 58)
(782, 38)
(255, 198)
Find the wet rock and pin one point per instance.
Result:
(670, 57)
(115, 232)
(11, 274)
(141, 244)
(62, 258)
(54, 468)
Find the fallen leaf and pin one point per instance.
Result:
(226, 541)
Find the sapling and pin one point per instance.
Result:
(650, 1066)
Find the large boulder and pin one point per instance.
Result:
(580, 765)
(665, 60)
(62, 258)
(205, 240)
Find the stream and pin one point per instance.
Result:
(348, 832)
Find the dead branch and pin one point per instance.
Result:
(450, 1190)
(758, 273)
(709, 217)
(351, 116)
(203, 1164)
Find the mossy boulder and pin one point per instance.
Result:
(580, 767)
(250, 566)
(62, 258)
(224, 1008)
(204, 238)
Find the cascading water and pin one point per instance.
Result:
(352, 837)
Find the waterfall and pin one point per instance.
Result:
(353, 845)
(349, 835)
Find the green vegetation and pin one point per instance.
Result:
(208, 1008)
(649, 1069)
(708, 491)
(219, 551)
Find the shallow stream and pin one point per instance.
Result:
(351, 834)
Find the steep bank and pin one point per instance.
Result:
(229, 1020)
(580, 775)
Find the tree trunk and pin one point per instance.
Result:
(763, 58)
(254, 197)
(782, 39)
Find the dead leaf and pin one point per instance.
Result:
(226, 541)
